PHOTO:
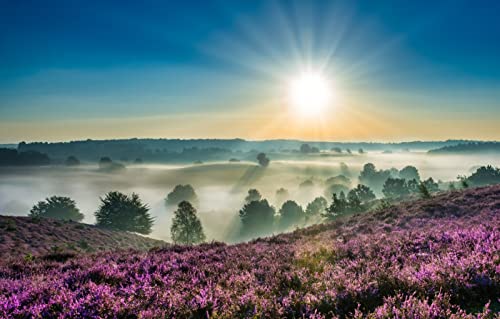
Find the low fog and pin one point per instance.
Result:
(221, 186)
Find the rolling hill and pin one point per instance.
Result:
(22, 236)
(434, 258)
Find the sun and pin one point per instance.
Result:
(310, 93)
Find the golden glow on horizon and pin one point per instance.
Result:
(310, 93)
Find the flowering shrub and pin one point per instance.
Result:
(437, 258)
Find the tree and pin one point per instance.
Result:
(121, 212)
(374, 178)
(337, 150)
(431, 185)
(57, 207)
(395, 187)
(291, 214)
(282, 195)
(339, 179)
(186, 227)
(263, 159)
(316, 208)
(305, 148)
(257, 218)
(337, 207)
(409, 172)
(106, 164)
(181, 193)
(463, 181)
(253, 195)
(335, 189)
(485, 175)
(360, 151)
(363, 193)
(72, 161)
(306, 184)
(424, 192)
(344, 169)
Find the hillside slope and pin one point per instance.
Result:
(436, 258)
(20, 236)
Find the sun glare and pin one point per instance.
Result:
(310, 93)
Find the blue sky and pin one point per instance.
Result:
(109, 68)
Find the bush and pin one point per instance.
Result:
(57, 207)
(127, 213)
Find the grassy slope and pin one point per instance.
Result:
(20, 236)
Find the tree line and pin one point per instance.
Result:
(258, 217)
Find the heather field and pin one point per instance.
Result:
(435, 258)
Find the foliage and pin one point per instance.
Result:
(257, 218)
(409, 173)
(373, 178)
(107, 165)
(186, 227)
(306, 149)
(57, 207)
(306, 184)
(181, 193)
(317, 207)
(423, 190)
(263, 160)
(395, 188)
(127, 213)
(485, 175)
(72, 161)
(13, 157)
(290, 215)
(363, 193)
(253, 195)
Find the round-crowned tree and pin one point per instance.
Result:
(181, 193)
(57, 207)
(257, 218)
(186, 227)
(291, 214)
(253, 195)
(121, 212)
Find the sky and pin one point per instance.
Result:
(398, 70)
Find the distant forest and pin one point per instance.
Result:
(470, 147)
(177, 150)
(198, 150)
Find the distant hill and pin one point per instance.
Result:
(471, 148)
(189, 150)
(20, 236)
(434, 258)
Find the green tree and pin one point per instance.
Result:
(291, 214)
(72, 161)
(121, 212)
(316, 208)
(409, 172)
(181, 193)
(338, 206)
(253, 195)
(57, 207)
(423, 190)
(431, 185)
(363, 192)
(263, 160)
(257, 218)
(395, 187)
(186, 227)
